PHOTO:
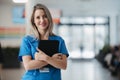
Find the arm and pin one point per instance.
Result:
(26, 57)
(58, 63)
(30, 64)
(54, 60)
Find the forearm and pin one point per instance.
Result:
(57, 60)
(30, 63)
(34, 64)
(58, 63)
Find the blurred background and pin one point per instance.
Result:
(90, 28)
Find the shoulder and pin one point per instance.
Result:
(30, 38)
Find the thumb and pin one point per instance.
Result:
(38, 50)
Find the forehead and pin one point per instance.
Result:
(39, 12)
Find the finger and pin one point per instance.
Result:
(38, 50)
(59, 54)
(60, 57)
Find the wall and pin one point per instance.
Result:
(118, 28)
(6, 23)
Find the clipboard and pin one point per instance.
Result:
(50, 47)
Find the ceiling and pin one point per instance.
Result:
(7, 2)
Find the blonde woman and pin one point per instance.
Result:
(35, 60)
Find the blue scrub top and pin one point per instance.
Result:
(28, 47)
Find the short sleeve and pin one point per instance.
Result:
(25, 48)
(63, 48)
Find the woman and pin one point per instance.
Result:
(35, 60)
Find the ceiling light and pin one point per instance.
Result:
(20, 1)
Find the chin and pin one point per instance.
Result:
(43, 28)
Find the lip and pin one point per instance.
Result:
(42, 23)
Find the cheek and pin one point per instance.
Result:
(48, 23)
(36, 22)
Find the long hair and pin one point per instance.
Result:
(50, 21)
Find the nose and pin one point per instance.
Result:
(42, 19)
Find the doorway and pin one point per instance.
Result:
(84, 36)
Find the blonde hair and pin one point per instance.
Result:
(34, 29)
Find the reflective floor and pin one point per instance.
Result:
(86, 70)
(76, 70)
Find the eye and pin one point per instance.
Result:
(45, 16)
(38, 17)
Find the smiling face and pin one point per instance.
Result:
(41, 20)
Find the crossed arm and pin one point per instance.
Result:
(41, 59)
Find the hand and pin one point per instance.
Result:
(57, 56)
(40, 55)
(36, 56)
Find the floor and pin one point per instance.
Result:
(81, 69)
(77, 69)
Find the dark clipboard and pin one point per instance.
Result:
(50, 47)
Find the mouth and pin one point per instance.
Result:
(43, 24)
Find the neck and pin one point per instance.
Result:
(44, 36)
